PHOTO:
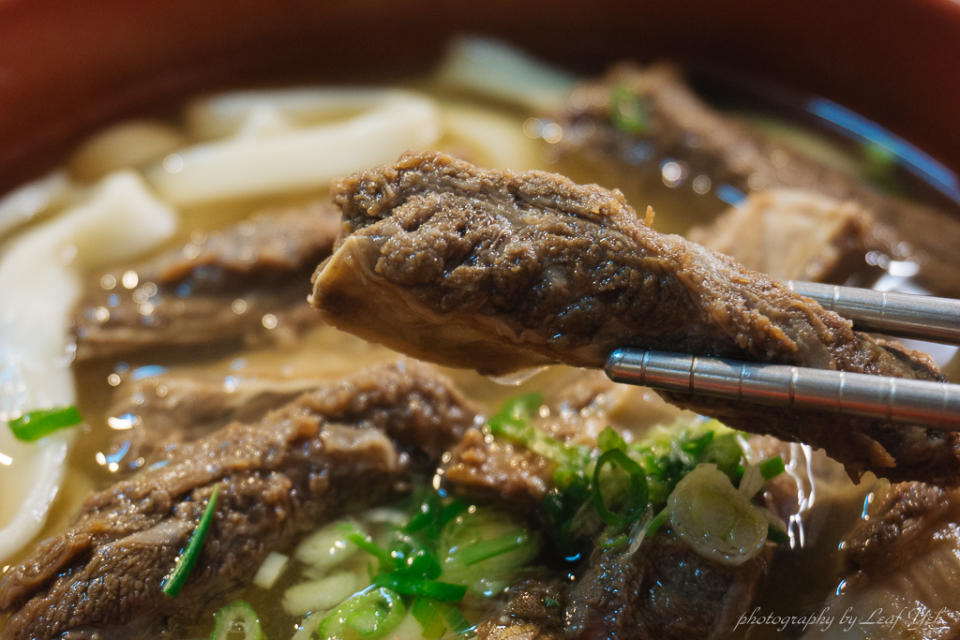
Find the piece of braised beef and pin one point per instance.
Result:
(158, 413)
(792, 234)
(533, 611)
(225, 286)
(634, 115)
(342, 447)
(496, 270)
(903, 557)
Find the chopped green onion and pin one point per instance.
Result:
(416, 586)
(879, 166)
(776, 535)
(658, 521)
(628, 111)
(173, 583)
(413, 557)
(449, 512)
(487, 549)
(433, 515)
(483, 550)
(751, 481)
(429, 617)
(610, 439)
(718, 521)
(616, 542)
(624, 481)
(455, 620)
(723, 449)
(237, 614)
(513, 419)
(772, 467)
(635, 500)
(694, 445)
(513, 422)
(372, 613)
(37, 424)
(363, 542)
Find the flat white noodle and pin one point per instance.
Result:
(129, 144)
(499, 139)
(226, 114)
(493, 69)
(121, 220)
(299, 159)
(31, 201)
(264, 120)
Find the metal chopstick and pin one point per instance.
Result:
(892, 399)
(901, 314)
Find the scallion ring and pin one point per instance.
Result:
(237, 614)
(636, 499)
(372, 613)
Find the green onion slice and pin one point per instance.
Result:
(455, 618)
(237, 614)
(372, 613)
(772, 467)
(514, 422)
(486, 549)
(628, 111)
(174, 582)
(718, 521)
(513, 419)
(37, 424)
(658, 521)
(410, 585)
(610, 439)
(412, 556)
(365, 543)
(635, 500)
(433, 515)
(777, 536)
(616, 542)
(428, 615)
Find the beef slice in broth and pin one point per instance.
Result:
(216, 288)
(342, 447)
(903, 561)
(533, 611)
(663, 591)
(496, 270)
(676, 123)
(157, 413)
(793, 234)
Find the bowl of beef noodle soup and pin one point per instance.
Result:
(306, 308)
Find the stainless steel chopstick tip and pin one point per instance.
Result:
(886, 398)
(899, 314)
